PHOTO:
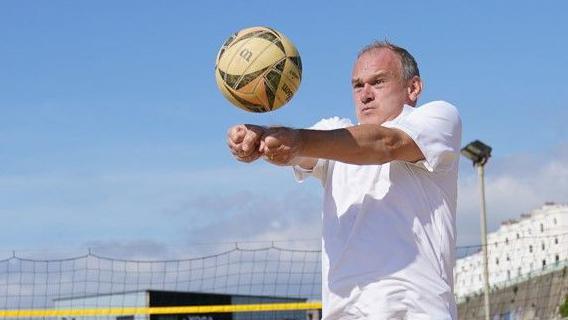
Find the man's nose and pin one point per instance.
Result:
(367, 93)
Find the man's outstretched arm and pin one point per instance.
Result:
(362, 144)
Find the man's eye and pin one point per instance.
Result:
(357, 85)
(378, 82)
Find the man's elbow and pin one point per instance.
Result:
(382, 151)
(377, 145)
(386, 149)
(402, 147)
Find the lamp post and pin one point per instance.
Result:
(479, 153)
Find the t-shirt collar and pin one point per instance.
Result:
(406, 110)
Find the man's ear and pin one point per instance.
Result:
(414, 89)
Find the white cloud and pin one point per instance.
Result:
(251, 217)
(172, 212)
(137, 249)
(157, 208)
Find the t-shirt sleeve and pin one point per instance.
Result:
(319, 171)
(436, 128)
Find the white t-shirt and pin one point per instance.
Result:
(389, 230)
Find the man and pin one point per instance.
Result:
(390, 188)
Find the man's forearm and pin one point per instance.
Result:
(363, 144)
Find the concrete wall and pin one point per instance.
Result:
(535, 298)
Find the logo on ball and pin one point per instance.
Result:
(246, 54)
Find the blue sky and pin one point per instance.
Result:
(112, 130)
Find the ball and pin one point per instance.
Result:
(258, 69)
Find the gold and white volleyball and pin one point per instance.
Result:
(258, 69)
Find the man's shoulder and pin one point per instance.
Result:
(439, 106)
(438, 109)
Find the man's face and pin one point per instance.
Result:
(379, 92)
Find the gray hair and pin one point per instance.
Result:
(409, 65)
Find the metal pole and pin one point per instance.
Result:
(484, 241)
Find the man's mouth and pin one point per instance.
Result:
(365, 109)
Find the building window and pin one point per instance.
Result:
(506, 240)
(508, 274)
(557, 258)
(542, 246)
(555, 221)
(530, 249)
(495, 244)
(518, 236)
(508, 259)
(555, 240)
(497, 261)
(519, 271)
(541, 227)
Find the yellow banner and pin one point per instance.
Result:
(158, 310)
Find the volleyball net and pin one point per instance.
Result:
(261, 283)
(528, 275)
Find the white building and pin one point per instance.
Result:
(536, 243)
